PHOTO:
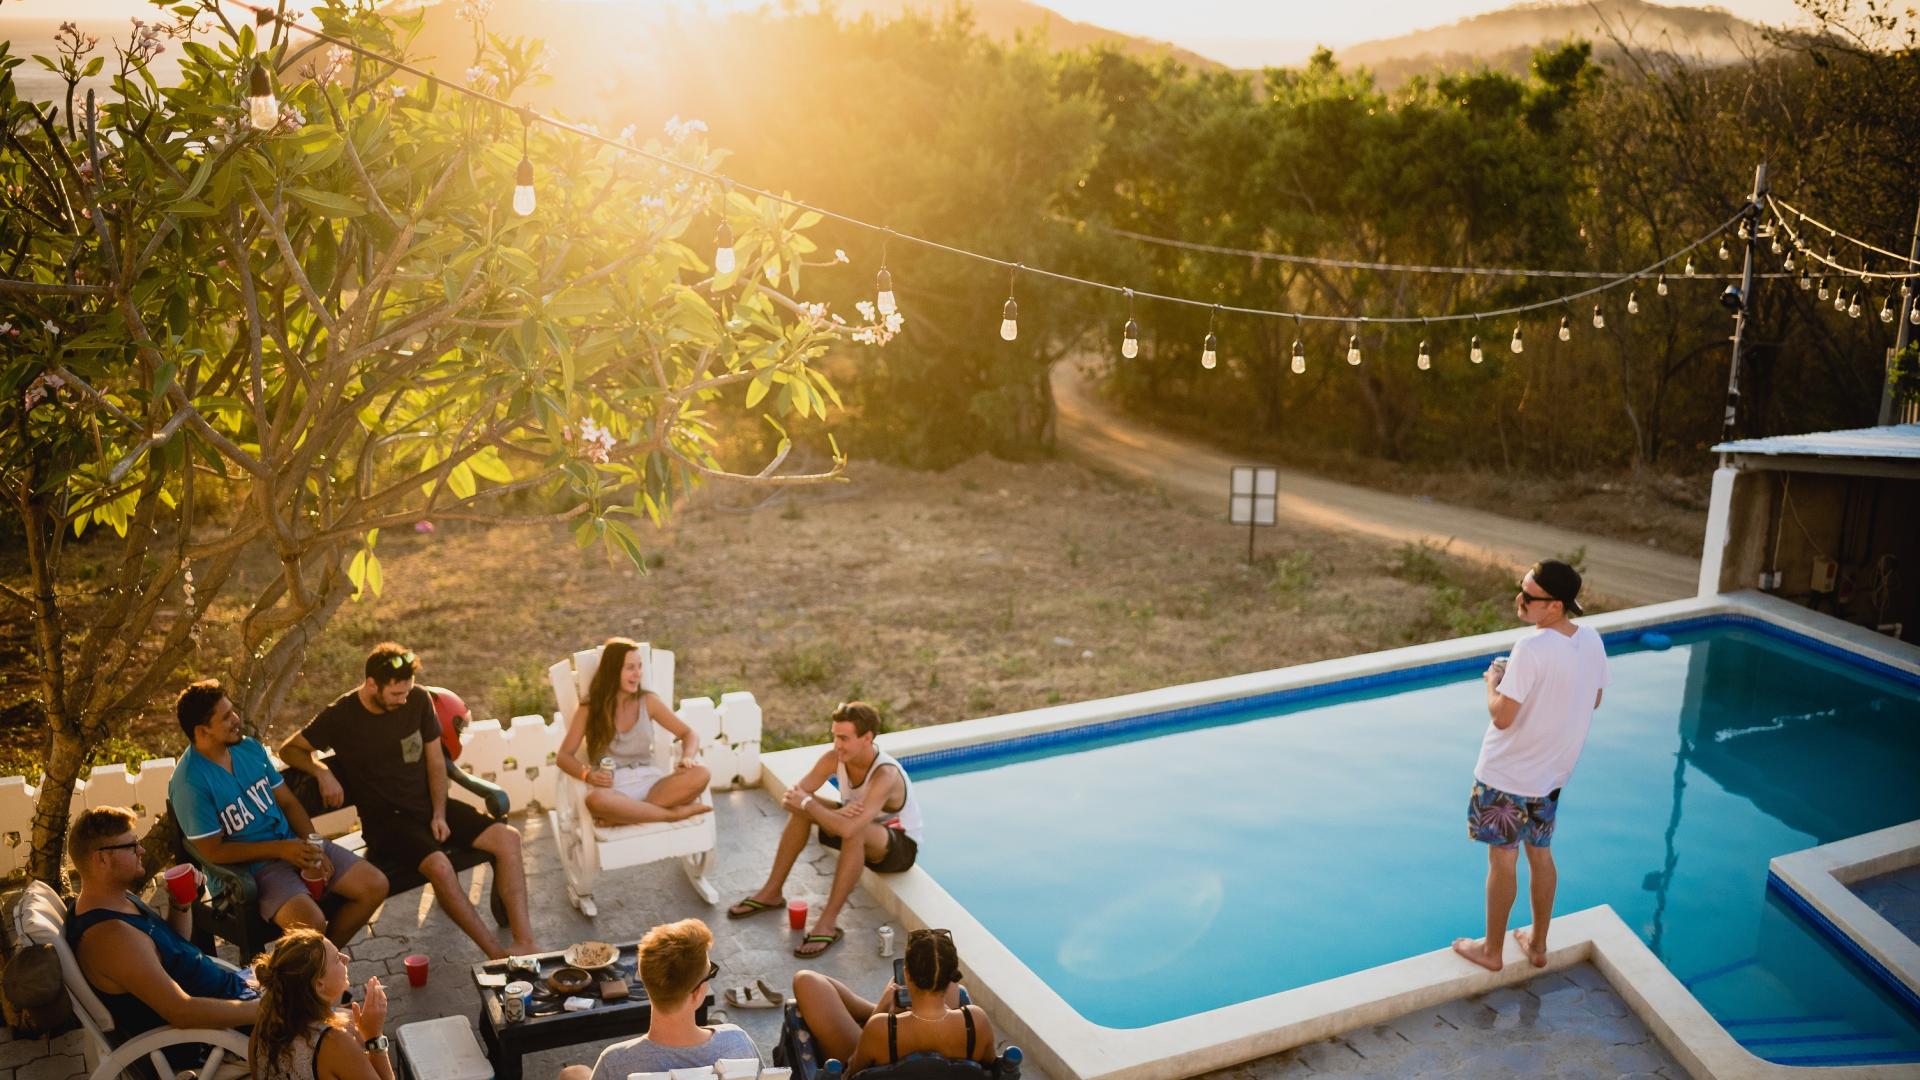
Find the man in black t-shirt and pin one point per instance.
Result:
(387, 759)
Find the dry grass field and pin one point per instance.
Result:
(988, 588)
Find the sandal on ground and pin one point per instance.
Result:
(758, 996)
(825, 941)
(750, 907)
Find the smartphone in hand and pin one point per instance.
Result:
(901, 999)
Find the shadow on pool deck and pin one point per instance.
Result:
(1566, 1024)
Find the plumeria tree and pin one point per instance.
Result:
(237, 333)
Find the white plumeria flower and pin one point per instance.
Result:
(840, 255)
(51, 329)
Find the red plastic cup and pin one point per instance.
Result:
(316, 885)
(416, 969)
(797, 914)
(182, 883)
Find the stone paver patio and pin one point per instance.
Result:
(1565, 1024)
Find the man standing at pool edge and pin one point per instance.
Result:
(1537, 705)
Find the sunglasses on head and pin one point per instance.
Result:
(402, 661)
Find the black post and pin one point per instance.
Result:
(1746, 301)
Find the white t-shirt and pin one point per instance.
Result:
(1555, 678)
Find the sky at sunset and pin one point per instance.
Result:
(1233, 31)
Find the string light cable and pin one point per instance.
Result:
(1860, 272)
(1778, 204)
(266, 14)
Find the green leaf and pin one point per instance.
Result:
(758, 386)
(488, 465)
(460, 479)
(327, 203)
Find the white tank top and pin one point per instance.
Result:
(907, 818)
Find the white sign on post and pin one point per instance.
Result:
(1252, 495)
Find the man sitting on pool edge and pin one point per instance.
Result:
(877, 826)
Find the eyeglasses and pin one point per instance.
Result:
(713, 971)
(117, 847)
(1528, 598)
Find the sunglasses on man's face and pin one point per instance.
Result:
(1528, 598)
(117, 847)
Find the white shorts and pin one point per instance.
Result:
(634, 781)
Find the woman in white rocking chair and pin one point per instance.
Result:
(616, 722)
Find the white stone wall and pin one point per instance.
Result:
(517, 754)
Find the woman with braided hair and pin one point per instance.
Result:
(299, 1036)
(862, 1032)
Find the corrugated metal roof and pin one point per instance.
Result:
(1895, 441)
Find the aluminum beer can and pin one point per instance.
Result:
(886, 941)
(513, 1007)
(316, 841)
(607, 764)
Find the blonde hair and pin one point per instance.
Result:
(673, 960)
(290, 1002)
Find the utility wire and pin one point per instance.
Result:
(529, 115)
(1841, 268)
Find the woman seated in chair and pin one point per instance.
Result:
(615, 724)
(299, 1036)
(863, 1033)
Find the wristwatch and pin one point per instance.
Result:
(378, 1044)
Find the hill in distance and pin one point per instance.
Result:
(1505, 40)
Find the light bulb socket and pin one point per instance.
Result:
(883, 281)
(258, 84)
(523, 176)
(1010, 311)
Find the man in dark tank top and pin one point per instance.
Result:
(145, 971)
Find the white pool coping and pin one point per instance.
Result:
(1821, 876)
(1067, 1045)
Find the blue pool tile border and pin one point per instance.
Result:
(1847, 945)
(1153, 723)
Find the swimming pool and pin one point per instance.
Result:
(1187, 862)
(1199, 875)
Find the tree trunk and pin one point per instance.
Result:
(50, 808)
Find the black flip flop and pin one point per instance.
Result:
(812, 939)
(754, 907)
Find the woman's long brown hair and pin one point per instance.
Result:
(603, 696)
(290, 1003)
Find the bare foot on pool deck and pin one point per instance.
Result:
(1475, 949)
(1524, 936)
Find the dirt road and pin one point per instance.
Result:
(1622, 572)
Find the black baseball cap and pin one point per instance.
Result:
(1560, 581)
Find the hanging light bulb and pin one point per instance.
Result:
(1353, 349)
(263, 109)
(1724, 253)
(1839, 300)
(723, 261)
(1515, 344)
(1886, 309)
(1423, 361)
(1744, 234)
(523, 197)
(1763, 230)
(1787, 263)
(1689, 269)
(1130, 340)
(1009, 320)
(1633, 302)
(1913, 314)
(1210, 351)
(1806, 281)
(1299, 349)
(1824, 290)
(1599, 320)
(1776, 246)
(883, 292)
(1474, 352)
(1853, 305)
(1660, 285)
(1566, 331)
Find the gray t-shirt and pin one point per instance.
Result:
(640, 1055)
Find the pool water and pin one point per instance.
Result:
(1189, 863)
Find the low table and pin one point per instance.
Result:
(507, 1043)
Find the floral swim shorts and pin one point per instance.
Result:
(1503, 820)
